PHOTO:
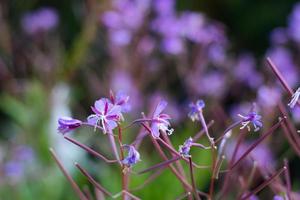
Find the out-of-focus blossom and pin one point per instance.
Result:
(283, 59)
(245, 71)
(184, 149)
(251, 118)
(133, 156)
(24, 153)
(160, 121)
(106, 115)
(278, 197)
(165, 7)
(252, 197)
(212, 84)
(146, 45)
(296, 114)
(124, 20)
(279, 36)
(41, 20)
(216, 53)
(172, 45)
(295, 98)
(14, 169)
(66, 124)
(294, 21)
(268, 96)
(122, 81)
(196, 110)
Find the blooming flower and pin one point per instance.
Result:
(120, 99)
(66, 124)
(184, 149)
(106, 115)
(160, 121)
(133, 156)
(295, 98)
(196, 109)
(253, 118)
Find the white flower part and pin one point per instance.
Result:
(295, 98)
(245, 123)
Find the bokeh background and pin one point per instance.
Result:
(58, 57)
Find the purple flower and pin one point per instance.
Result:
(268, 96)
(106, 115)
(160, 121)
(184, 149)
(253, 118)
(294, 21)
(66, 124)
(278, 197)
(40, 20)
(14, 169)
(120, 99)
(133, 156)
(295, 98)
(196, 110)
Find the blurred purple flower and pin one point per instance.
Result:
(196, 110)
(245, 71)
(133, 156)
(24, 153)
(172, 45)
(279, 36)
(278, 197)
(160, 121)
(252, 118)
(165, 7)
(66, 124)
(184, 149)
(282, 57)
(14, 169)
(268, 96)
(106, 115)
(41, 20)
(294, 22)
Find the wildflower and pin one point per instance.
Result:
(66, 124)
(106, 115)
(160, 121)
(295, 98)
(120, 99)
(253, 118)
(184, 149)
(196, 109)
(133, 156)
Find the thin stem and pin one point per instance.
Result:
(258, 142)
(211, 140)
(287, 179)
(68, 176)
(89, 150)
(148, 180)
(114, 146)
(232, 126)
(264, 184)
(280, 76)
(192, 179)
(200, 133)
(91, 180)
(160, 165)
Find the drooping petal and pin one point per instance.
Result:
(100, 105)
(93, 120)
(155, 130)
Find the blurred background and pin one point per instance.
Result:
(58, 57)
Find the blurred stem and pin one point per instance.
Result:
(82, 43)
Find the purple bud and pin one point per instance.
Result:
(133, 156)
(196, 110)
(184, 149)
(66, 124)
